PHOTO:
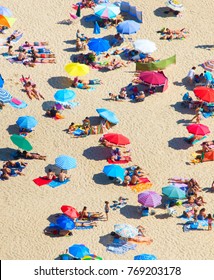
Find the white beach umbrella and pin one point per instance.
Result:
(174, 5)
(145, 46)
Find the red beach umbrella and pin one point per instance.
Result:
(198, 129)
(153, 78)
(204, 93)
(116, 138)
(70, 211)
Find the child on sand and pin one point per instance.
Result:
(209, 220)
(106, 208)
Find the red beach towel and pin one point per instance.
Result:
(42, 181)
(127, 159)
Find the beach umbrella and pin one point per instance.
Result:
(65, 162)
(145, 46)
(108, 115)
(27, 122)
(78, 13)
(126, 231)
(173, 192)
(198, 129)
(106, 11)
(96, 28)
(5, 11)
(204, 93)
(208, 65)
(70, 211)
(153, 78)
(91, 257)
(149, 199)
(117, 139)
(1, 81)
(76, 69)
(5, 96)
(6, 21)
(64, 95)
(174, 5)
(114, 170)
(128, 27)
(65, 223)
(145, 257)
(78, 251)
(99, 45)
(21, 142)
(65, 257)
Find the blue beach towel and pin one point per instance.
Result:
(56, 183)
(207, 114)
(21, 106)
(83, 228)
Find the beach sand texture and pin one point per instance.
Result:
(155, 128)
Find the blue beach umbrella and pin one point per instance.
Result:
(78, 251)
(65, 162)
(27, 122)
(145, 257)
(5, 96)
(128, 27)
(173, 192)
(92, 18)
(114, 170)
(5, 12)
(64, 95)
(107, 115)
(96, 28)
(65, 223)
(99, 45)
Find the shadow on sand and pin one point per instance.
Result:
(47, 105)
(13, 129)
(101, 179)
(162, 12)
(97, 153)
(130, 212)
(7, 154)
(181, 109)
(178, 143)
(59, 82)
(105, 240)
(206, 47)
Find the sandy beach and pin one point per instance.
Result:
(155, 127)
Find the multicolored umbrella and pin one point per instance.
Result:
(126, 231)
(198, 129)
(91, 257)
(5, 96)
(78, 251)
(106, 11)
(64, 95)
(6, 21)
(65, 162)
(107, 115)
(153, 78)
(21, 142)
(5, 12)
(145, 257)
(208, 65)
(204, 93)
(175, 5)
(173, 192)
(70, 211)
(27, 122)
(128, 27)
(117, 139)
(149, 199)
(65, 223)
(145, 46)
(99, 45)
(114, 170)
(76, 69)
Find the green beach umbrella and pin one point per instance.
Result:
(78, 14)
(21, 142)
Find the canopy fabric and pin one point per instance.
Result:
(126, 231)
(153, 78)
(107, 115)
(208, 65)
(198, 129)
(145, 257)
(175, 5)
(91, 257)
(128, 27)
(6, 21)
(158, 65)
(149, 199)
(114, 170)
(70, 211)
(98, 45)
(27, 122)
(204, 93)
(21, 142)
(173, 192)
(145, 46)
(5, 96)
(76, 69)
(65, 162)
(5, 11)
(117, 139)
(64, 95)
(78, 251)
(65, 223)
(106, 10)
(96, 28)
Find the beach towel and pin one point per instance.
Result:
(207, 114)
(16, 105)
(127, 159)
(17, 38)
(14, 60)
(141, 180)
(56, 183)
(195, 141)
(141, 187)
(83, 228)
(16, 101)
(41, 181)
(120, 248)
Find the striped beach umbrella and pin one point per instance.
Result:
(126, 231)
(175, 5)
(145, 257)
(65, 162)
(91, 257)
(106, 10)
(5, 96)
(208, 65)
(149, 199)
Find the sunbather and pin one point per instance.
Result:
(36, 53)
(27, 44)
(89, 215)
(31, 90)
(63, 176)
(11, 172)
(116, 155)
(51, 174)
(22, 55)
(207, 146)
(85, 224)
(35, 59)
(52, 112)
(16, 164)
(28, 155)
(140, 96)
(10, 50)
(13, 36)
(71, 128)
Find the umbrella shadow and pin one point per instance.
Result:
(101, 179)
(183, 121)
(47, 105)
(7, 154)
(52, 218)
(13, 129)
(59, 82)
(178, 143)
(70, 49)
(97, 153)
(65, 22)
(181, 109)
(162, 12)
(95, 120)
(184, 82)
(130, 212)
(105, 240)
(70, 42)
(53, 167)
(162, 216)
(85, 23)
(206, 47)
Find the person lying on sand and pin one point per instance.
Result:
(7, 172)
(27, 44)
(36, 59)
(199, 200)
(131, 180)
(118, 97)
(15, 164)
(71, 128)
(90, 215)
(116, 155)
(32, 91)
(28, 155)
(35, 53)
(207, 146)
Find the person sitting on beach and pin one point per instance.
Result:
(71, 128)
(51, 174)
(28, 155)
(89, 215)
(189, 212)
(63, 176)
(116, 155)
(79, 45)
(198, 116)
(131, 180)
(22, 55)
(10, 50)
(86, 122)
(140, 96)
(80, 36)
(207, 146)
(139, 172)
(118, 97)
(202, 214)
(52, 112)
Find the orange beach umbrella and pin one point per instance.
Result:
(6, 21)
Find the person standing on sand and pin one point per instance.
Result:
(191, 75)
(106, 208)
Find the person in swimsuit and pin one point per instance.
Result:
(28, 155)
(106, 208)
(51, 175)
(89, 215)
(63, 176)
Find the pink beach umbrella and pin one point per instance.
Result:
(198, 129)
(149, 199)
(153, 78)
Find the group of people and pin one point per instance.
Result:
(12, 168)
(205, 78)
(62, 176)
(133, 175)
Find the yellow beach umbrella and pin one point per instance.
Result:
(76, 69)
(7, 21)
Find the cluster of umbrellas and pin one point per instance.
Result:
(6, 18)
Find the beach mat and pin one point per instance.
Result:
(83, 228)
(127, 159)
(56, 183)
(141, 180)
(17, 106)
(141, 187)
(41, 181)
